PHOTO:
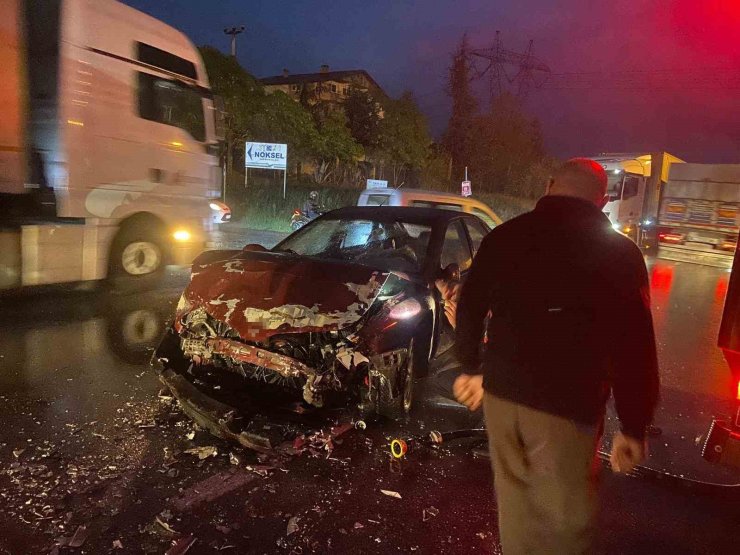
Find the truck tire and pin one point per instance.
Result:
(137, 257)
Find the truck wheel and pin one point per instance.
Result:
(137, 256)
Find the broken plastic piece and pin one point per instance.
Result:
(429, 513)
(181, 546)
(203, 452)
(293, 525)
(390, 493)
(79, 537)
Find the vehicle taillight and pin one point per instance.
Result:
(670, 237)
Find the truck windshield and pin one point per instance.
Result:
(172, 103)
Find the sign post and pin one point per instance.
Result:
(267, 156)
(467, 189)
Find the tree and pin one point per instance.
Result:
(403, 138)
(335, 146)
(282, 120)
(458, 138)
(363, 117)
(508, 155)
(242, 95)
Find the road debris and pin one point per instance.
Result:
(293, 525)
(202, 452)
(79, 537)
(164, 525)
(181, 546)
(429, 513)
(117, 544)
(391, 493)
(211, 488)
(236, 460)
(18, 452)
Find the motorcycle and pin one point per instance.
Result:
(300, 218)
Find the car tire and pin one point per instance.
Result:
(400, 405)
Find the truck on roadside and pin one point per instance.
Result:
(699, 215)
(635, 182)
(108, 144)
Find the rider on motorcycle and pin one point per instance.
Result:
(312, 208)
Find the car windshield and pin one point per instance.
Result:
(386, 245)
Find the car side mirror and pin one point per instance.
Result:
(451, 272)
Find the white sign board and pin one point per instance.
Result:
(467, 189)
(376, 184)
(267, 156)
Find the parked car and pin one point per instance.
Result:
(428, 199)
(344, 310)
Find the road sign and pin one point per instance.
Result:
(376, 184)
(467, 189)
(267, 156)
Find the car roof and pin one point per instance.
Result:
(416, 193)
(410, 214)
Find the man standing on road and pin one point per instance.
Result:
(570, 321)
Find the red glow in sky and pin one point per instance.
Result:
(708, 25)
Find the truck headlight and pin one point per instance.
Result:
(181, 235)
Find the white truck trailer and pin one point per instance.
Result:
(699, 215)
(108, 144)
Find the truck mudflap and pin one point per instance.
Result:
(218, 418)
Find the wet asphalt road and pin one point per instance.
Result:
(87, 445)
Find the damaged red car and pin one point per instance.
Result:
(343, 311)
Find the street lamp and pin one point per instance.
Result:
(233, 32)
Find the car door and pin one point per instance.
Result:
(477, 231)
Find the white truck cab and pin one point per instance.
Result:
(428, 199)
(109, 114)
(633, 191)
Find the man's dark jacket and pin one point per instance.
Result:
(570, 316)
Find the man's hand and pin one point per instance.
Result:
(468, 390)
(627, 452)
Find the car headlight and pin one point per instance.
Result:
(405, 310)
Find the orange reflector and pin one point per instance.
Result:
(398, 448)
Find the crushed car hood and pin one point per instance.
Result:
(261, 294)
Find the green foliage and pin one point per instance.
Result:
(279, 119)
(335, 146)
(509, 155)
(363, 117)
(263, 207)
(404, 138)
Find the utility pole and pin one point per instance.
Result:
(234, 31)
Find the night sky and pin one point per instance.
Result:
(406, 44)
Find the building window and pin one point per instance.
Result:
(295, 87)
(171, 103)
(333, 88)
(346, 91)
